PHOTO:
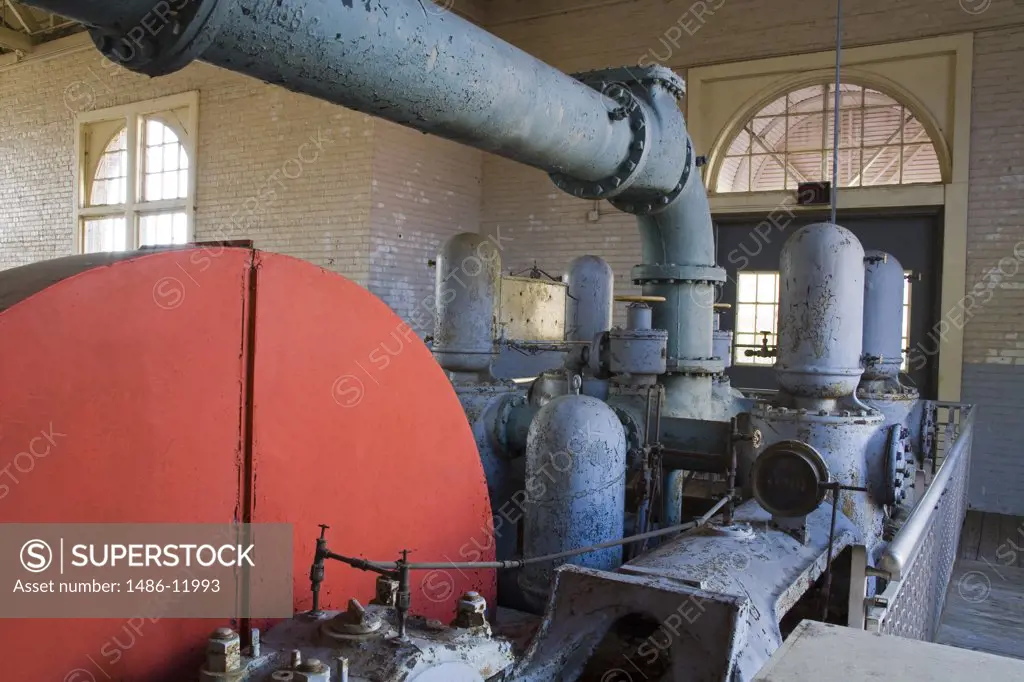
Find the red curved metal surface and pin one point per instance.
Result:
(217, 385)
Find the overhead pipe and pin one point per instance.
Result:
(615, 134)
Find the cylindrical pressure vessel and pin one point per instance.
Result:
(821, 313)
(467, 286)
(575, 487)
(883, 315)
(588, 306)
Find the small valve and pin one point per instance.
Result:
(765, 351)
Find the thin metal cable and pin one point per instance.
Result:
(835, 109)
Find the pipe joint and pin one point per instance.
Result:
(165, 38)
(660, 156)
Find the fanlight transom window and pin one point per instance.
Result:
(789, 141)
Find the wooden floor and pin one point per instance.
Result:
(984, 608)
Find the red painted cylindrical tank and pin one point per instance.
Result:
(217, 385)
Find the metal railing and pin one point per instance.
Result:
(919, 561)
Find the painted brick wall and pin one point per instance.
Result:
(993, 374)
(425, 189)
(248, 131)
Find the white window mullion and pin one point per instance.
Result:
(134, 181)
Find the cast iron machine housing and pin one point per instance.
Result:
(638, 429)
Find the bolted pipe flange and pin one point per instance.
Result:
(168, 37)
(632, 110)
(661, 202)
(654, 171)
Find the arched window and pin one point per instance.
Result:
(789, 141)
(137, 182)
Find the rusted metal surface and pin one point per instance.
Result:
(532, 309)
(718, 595)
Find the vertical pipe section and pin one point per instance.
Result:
(412, 63)
(590, 298)
(883, 316)
(467, 283)
(679, 264)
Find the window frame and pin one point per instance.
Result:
(134, 207)
(910, 111)
(738, 349)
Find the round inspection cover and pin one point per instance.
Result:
(788, 479)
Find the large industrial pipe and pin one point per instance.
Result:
(408, 61)
(413, 63)
(679, 264)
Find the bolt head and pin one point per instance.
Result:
(313, 665)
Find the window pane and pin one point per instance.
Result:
(157, 229)
(784, 143)
(104, 234)
(766, 287)
(746, 287)
(756, 311)
(110, 181)
(164, 157)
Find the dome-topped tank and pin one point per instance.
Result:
(821, 308)
(883, 315)
(589, 303)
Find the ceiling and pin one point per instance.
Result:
(24, 28)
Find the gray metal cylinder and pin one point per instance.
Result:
(588, 306)
(467, 284)
(576, 488)
(883, 316)
(412, 64)
(637, 350)
(821, 313)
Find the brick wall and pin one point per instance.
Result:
(425, 189)
(247, 132)
(994, 335)
(373, 203)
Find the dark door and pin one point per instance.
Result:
(748, 246)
